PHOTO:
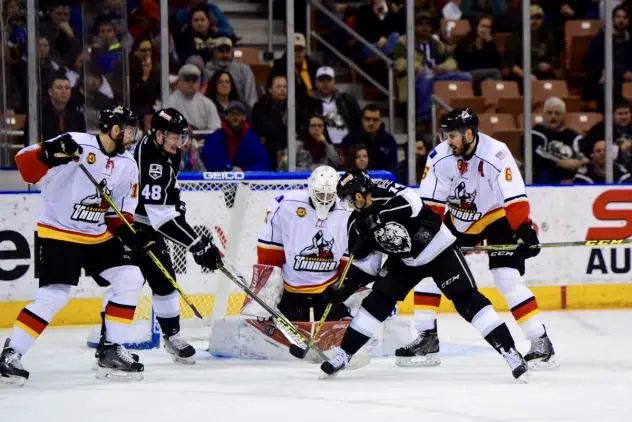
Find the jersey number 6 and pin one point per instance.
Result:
(151, 192)
(508, 174)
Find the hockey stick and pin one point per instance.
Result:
(288, 329)
(590, 243)
(300, 352)
(153, 257)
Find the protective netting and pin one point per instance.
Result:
(233, 213)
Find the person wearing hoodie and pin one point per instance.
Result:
(223, 59)
(235, 146)
(380, 144)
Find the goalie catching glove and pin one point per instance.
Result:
(206, 253)
(60, 151)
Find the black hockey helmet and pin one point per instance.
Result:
(355, 181)
(170, 120)
(459, 119)
(116, 115)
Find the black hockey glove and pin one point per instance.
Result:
(143, 241)
(206, 253)
(526, 232)
(60, 151)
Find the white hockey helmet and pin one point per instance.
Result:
(322, 189)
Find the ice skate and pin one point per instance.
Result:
(422, 351)
(179, 349)
(11, 370)
(519, 368)
(541, 355)
(336, 364)
(97, 355)
(116, 363)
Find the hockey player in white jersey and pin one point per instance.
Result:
(305, 234)
(77, 229)
(476, 178)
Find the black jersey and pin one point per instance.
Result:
(399, 225)
(159, 200)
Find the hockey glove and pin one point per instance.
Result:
(60, 151)
(206, 253)
(142, 241)
(526, 232)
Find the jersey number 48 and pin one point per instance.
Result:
(153, 192)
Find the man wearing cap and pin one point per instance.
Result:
(341, 111)
(544, 55)
(199, 111)
(234, 147)
(305, 70)
(223, 59)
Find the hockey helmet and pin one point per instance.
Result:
(116, 115)
(355, 181)
(321, 186)
(170, 120)
(459, 119)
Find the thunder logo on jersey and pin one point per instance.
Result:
(318, 256)
(91, 208)
(462, 204)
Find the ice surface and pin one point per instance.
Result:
(594, 383)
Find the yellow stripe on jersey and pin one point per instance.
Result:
(313, 289)
(48, 232)
(484, 221)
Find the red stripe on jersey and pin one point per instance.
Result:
(115, 222)
(270, 256)
(518, 212)
(31, 168)
(438, 209)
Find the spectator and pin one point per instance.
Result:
(340, 110)
(476, 9)
(357, 158)
(380, 144)
(421, 156)
(76, 60)
(621, 128)
(107, 50)
(314, 148)
(477, 53)
(235, 146)
(192, 156)
(432, 63)
(269, 118)
(60, 35)
(378, 25)
(57, 117)
(47, 68)
(215, 13)
(198, 37)
(544, 54)
(556, 159)
(595, 170)
(223, 59)
(624, 157)
(222, 91)
(452, 10)
(622, 57)
(144, 20)
(87, 99)
(15, 28)
(144, 81)
(199, 111)
(305, 71)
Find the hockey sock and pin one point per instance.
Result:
(167, 309)
(427, 302)
(34, 318)
(521, 301)
(126, 282)
(500, 338)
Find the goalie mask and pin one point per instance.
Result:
(322, 189)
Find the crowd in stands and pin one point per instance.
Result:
(93, 54)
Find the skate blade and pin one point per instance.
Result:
(431, 359)
(183, 361)
(326, 376)
(12, 380)
(540, 365)
(525, 378)
(109, 374)
(358, 361)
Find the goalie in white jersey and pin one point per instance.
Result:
(476, 178)
(305, 234)
(77, 229)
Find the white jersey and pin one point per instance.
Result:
(477, 191)
(72, 208)
(308, 250)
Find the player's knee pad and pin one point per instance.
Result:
(126, 281)
(51, 299)
(508, 281)
(470, 303)
(167, 306)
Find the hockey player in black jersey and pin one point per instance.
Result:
(390, 219)
(161, 214)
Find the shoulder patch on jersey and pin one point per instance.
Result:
(155, 171)
(433, 153)
(279, 199)
(91, 158)
(300, 211)
(500, 155)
